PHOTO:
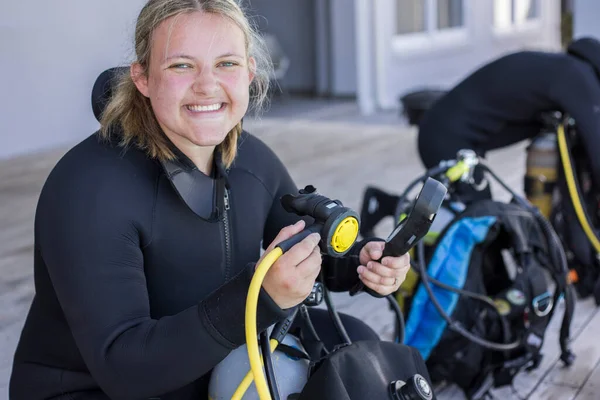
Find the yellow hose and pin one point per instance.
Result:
(251, 331)
(247, 381)
(566, 162)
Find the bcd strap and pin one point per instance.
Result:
(535, 234)
(540, 304)
(526, 300)
(292, 352)
(565, 330)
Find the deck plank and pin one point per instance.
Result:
(588, 356)
(526, 382)
(591, 389)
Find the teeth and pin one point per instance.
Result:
(212, 107)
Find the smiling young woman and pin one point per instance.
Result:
(195, 62)
(147, 233)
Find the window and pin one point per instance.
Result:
(449, 14)
(509, 13)
(411, 16)
(428, 16)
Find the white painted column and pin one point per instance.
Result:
(323, 47)
(365, 56)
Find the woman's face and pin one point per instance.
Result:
(198, 78)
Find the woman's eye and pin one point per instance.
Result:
(181, 66)
(227, 64)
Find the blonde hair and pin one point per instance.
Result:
(132, 111)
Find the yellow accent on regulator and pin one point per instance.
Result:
(345, 234)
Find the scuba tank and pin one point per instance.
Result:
(291, 372)
(541, 171)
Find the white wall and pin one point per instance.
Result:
(52, 53)
(585, 18)
(443, 64)
(343, 37)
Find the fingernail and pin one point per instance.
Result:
(315, 237)
(360, 269)
(370, 265)
(300, 222)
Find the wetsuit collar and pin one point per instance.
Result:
(204, 195)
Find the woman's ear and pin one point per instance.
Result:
(139, 78)
(251, 69)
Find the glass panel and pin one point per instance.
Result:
(410, 16)
(525, 10)
(450, 13)
(502, 13)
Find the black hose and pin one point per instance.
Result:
(454, 325)
(311, 328)
(306, 316)
(462, 292)
(335, 317)
(265, 348)
(430, 172)
(399, 336)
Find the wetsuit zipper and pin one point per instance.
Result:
(227, 234)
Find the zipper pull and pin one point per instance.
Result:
(226, 199)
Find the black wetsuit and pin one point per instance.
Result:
(501, 103)
(136, 296)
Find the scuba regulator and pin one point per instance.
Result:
(338, 227)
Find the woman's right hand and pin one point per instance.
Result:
(291, 278)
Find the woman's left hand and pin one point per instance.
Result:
(385, 277)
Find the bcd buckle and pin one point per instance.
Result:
(542, 304)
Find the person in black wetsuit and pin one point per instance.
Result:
(501, 104)
(147, 233)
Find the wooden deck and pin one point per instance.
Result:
(340, 159)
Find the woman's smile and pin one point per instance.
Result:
(212, 110)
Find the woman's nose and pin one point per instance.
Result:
(206, 82)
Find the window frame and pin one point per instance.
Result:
(518, 27)
(432, 38)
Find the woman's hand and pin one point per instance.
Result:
(291, 278)
(385, 277)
